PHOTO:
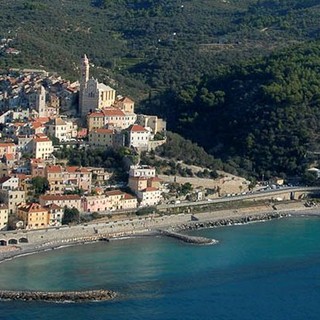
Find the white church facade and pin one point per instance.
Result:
(93, 95)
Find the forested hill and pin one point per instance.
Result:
(263, 115)
(185, 57)
(150, 45)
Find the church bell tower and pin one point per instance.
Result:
(83, 80)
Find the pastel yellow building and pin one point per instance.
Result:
(125, 104)
(101, 137)
(33, 215)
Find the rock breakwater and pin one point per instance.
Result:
(187, 238)
(230, 221)
(63, 296)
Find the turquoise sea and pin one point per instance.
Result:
(267, 270)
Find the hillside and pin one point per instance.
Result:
(237, 77)
(262, 116)
(148, 44)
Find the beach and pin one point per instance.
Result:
(146, 226)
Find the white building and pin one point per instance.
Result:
(60, 129)
(9, 183)
(4, 215)
(142, 171)
(149, 196)
(138, 137)
(42, 147)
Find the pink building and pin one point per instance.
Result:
(78, 177)
(111, 201)
(96, 203)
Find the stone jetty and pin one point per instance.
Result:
(194, 225)
(63, 296)
(187, 238)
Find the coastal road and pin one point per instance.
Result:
(273, 193)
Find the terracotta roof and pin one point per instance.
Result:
(54, 169)
(9, 156)
(6, 144)
(98, 190)
(126, 100)
(43, 119)
(42, 139)
(149, 189)
(114, 193)
(52, 197)
(32, 207)
(36, 160)
(22, 176)
(136, 128)
(128, 196)
(103, 130)
(96, 114)
(76, 169)
(113, 112)
(19, 124)
(109, 112)
(36, 124)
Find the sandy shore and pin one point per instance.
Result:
(204, 220)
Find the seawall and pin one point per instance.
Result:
(230, 221)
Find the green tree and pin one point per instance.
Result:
(40, 185)
(71, 215)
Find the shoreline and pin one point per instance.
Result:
(239, 218)
(108, 295)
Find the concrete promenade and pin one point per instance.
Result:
(40, 240)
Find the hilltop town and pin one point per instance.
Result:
(43, 118)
